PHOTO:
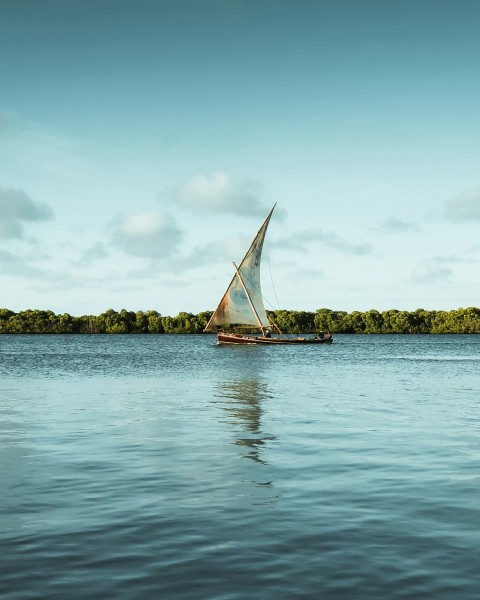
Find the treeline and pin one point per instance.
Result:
(111, 321)
(462, 320)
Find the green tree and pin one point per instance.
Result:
(155, 324)
(462, 320)
(203, 318)
(65, 324)
(114, 322)
(141, 322)
(373, 321)
(323, 320)
(356, 321)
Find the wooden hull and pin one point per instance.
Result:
(238, 338)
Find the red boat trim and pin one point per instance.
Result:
(243, 339)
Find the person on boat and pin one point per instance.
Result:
(327, 336)
(268, 333)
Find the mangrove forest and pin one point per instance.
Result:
(461, 320)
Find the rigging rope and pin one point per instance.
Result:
(271, 279)
(265, 299)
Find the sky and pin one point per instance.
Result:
(143, 142)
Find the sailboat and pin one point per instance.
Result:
(241, 307)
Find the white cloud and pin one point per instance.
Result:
(307, 274)
(149, 235)
(431, 275)
(396, 225)
(10, 264)
(91, 255)
(28, 146)
(221, 251)
(453, 259)
(16, 208)
(218, 193)
(464, 207)
(301, 241)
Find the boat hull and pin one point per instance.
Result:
(238, 338)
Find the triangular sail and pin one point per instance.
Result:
(235, 307)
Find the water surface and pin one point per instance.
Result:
(168, 467)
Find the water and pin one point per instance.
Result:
(167, 467)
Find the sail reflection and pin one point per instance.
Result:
(243, 405)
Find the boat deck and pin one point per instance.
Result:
(238, 338)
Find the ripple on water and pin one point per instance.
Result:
(167, 467)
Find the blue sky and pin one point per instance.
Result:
(143, 142)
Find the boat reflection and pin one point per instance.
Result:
(243, 405)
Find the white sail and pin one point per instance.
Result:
(242, 303)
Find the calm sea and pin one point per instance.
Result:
(168, 467)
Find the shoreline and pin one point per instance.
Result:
(393, 321)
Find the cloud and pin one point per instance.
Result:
(220, 194)
(10, 264)
(221, 251)
(396, 225)
(453, 259)
(200, 256)
(475, 249)
(91, 255)
(17, 208)
(431, 275)
(464, 207)
(34, 145)
(308, 274)
(301, 240)
(149, 235)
